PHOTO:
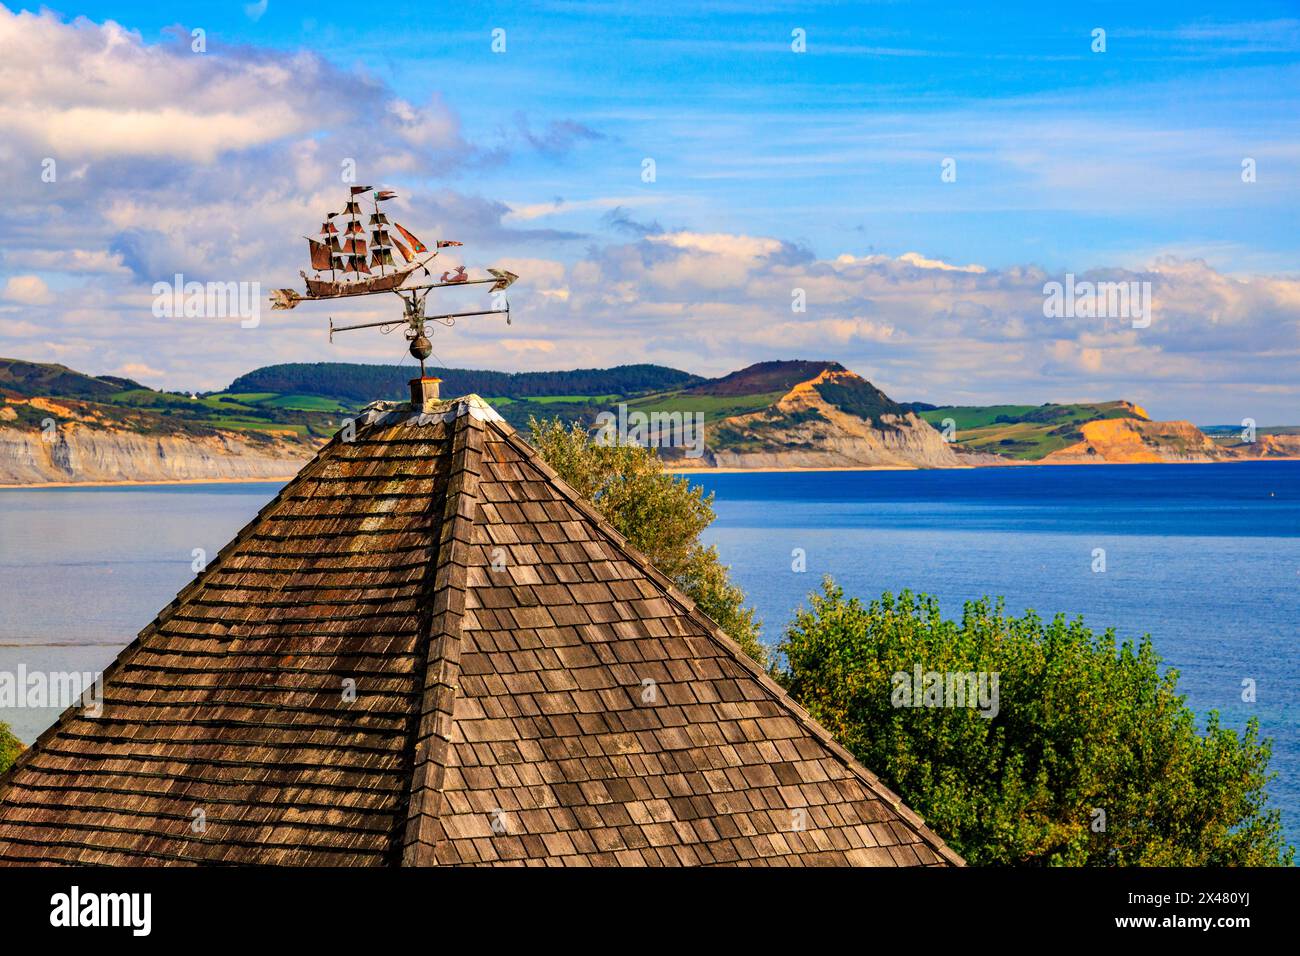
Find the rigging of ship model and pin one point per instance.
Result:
(341, 252)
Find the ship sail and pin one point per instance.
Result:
(381, 257)
(320, 255)
(416, 244)
(356, 247)
(404, 252)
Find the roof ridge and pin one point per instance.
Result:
(434, 724)
(442, 410)
(713, 630)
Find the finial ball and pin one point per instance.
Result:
(421, 347)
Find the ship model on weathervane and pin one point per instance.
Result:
(342, 269)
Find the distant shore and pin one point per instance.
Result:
(1009, 463)
(761, 471)
(148, 481)
(672, 471)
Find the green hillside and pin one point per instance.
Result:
(352, 382)
(1023, 432)
(310, 400)
(41, 378)
(110, 402)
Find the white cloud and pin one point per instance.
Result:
(78, 91)
(927, 330)
(525, 212)
(138, 371)
(29, 290)
(96, 132)
(75, 261)
(544, 346)
(720, 244)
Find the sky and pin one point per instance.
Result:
(914, 174)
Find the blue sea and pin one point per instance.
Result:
(1204, 558)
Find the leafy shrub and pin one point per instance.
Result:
(1082, 725)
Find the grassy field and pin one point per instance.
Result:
(244, 424)
(1023, 432)
(974, 416)
(265, 412)
(304, 403)
(713, 406)
(586, 407)
(554, 400)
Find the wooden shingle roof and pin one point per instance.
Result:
(429, 650)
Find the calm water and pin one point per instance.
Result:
(1205, 558)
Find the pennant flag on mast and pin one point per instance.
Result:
(416, 244)
(357, 190)
(385, 194)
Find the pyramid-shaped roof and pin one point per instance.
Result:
(429, 650)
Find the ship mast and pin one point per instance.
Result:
(329, 235)
(378, 234)
(354, 228)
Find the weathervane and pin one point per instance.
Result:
(350, 275)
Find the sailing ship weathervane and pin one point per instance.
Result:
(338, 259)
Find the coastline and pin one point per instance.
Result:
(762, 471)
(128, 482)
(132, 482)
(999, 464)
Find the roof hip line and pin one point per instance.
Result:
(442, 668)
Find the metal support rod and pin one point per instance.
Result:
(443, 285)
(433, 318)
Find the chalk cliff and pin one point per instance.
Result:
(80, 453)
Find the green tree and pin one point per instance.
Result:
(1083, 727)
(10, 747)
(661, 515)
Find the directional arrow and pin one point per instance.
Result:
(504, 279)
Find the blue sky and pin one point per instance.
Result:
(771, 167)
